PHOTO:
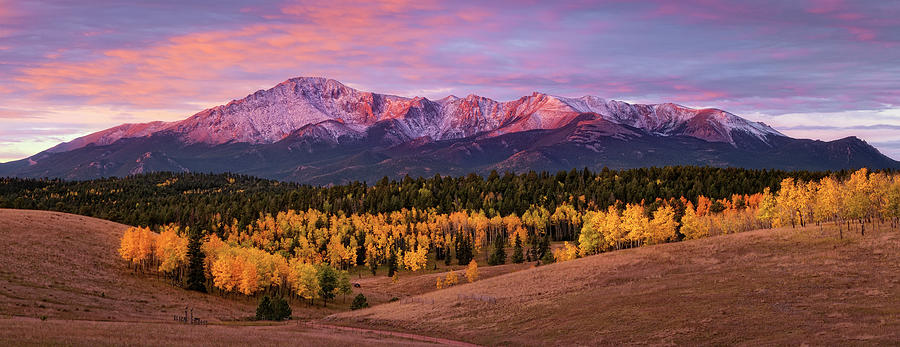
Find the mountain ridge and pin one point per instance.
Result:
(315, 129)
(267, 116)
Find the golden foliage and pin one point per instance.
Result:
(472, 271)
(451, 279)
(567, 252)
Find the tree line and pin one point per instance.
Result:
(206, 201)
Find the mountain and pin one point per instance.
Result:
(320, 131)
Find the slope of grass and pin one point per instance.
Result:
(65, 266)
(62, 282)
(778, 286)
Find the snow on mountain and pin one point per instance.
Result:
(108, 136)
(319, 107)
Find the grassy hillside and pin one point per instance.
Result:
(779, 286)
(64, 268)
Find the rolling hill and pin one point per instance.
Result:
(62, 283)
(765, 287)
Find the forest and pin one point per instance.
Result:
(207, 201)
(300, 241)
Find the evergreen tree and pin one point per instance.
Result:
(464, 249)
(281, 309)
(264, 309)
(359, 302)
(392, 264)
(548, 258)
(517, 251)
(544, 247)
(448, 256)
(196, 279)
(498, 256)
(273, 309)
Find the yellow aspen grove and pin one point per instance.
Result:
(703, 205)
(223, 273)
(472, 271)
(513, 226)
(768, 208)
(827, 202)
(564, 220)
(127, 244)
(611, 228)
(249, 278)
(858, 199)
(414, 261)
(894, 201)
(310, 282)
(692, 225)
(663, 225)
(806, 198)
(591, 239)
(786, 211)
(137, 246)
(880, 183)
(171, 249)
(338, 254)
(635, 224)
(892, 196)
(479, 223)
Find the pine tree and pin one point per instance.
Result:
(196, 279)
(264, 309)
(498, 256)
(464, 250)
(517, 251)
(280, 309)
(359, 302)
(392, 264)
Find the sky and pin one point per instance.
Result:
(821, 69)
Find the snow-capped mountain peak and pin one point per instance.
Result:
(267, 116)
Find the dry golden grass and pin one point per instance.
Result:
(765, 287)
(380, 289)
(28, 331)
(66, 267)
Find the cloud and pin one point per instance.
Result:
(797, 62)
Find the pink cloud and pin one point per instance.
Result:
(321, 40)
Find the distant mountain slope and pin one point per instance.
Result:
(320, 131)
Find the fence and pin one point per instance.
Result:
(477, 297)
(189, 319)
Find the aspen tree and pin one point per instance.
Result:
(472, 271)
